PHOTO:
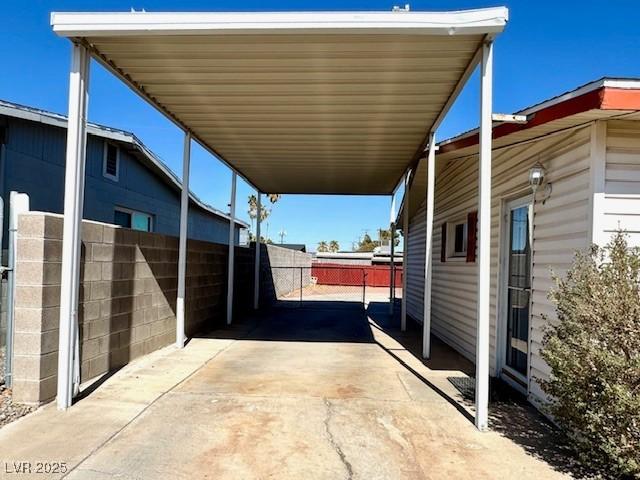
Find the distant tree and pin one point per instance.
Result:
(323, 247)
(264, 211)
(274, 197)
(366, 244)
(334, 246)
(252, 238)
(385, 235)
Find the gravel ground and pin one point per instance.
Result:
(9, 411)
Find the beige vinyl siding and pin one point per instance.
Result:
(622, 179)
(560, 227)
(415, 264)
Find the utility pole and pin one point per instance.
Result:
(282, 234)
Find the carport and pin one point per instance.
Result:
(294, 103)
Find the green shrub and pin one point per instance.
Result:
(593, 349)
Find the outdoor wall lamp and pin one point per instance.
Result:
(536, 180)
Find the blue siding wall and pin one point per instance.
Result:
(34, 164)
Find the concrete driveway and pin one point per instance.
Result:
(299, 394)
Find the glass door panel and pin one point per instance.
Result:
(518, 288)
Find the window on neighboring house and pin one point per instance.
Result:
(133, 219)
(457, 239)
(111, 161)
(243, 239)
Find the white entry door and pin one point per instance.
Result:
(516, 291)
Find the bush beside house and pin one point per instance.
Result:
(593, 350)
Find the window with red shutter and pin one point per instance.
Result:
(443, 243)
(472, 235)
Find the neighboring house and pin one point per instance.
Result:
(586, 143)
(126, 184)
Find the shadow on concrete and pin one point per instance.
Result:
(334, 322)
(514, 418)
(510, 414)
(443, 357)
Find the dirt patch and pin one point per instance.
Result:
(9, 411)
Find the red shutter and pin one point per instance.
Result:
(443, 243)
(472, 235)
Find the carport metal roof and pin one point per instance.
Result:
(310, 102)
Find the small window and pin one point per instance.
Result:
(133, 219)
(457, 234)
(122, 218)
(244, 239)
(111, 162)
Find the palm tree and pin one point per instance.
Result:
(334, 246)
(273, 197)
(323, 247)
(264, 211)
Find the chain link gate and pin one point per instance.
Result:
(316, 286)
(323, 285)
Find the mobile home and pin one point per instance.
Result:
(566, 177)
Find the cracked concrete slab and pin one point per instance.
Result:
(351, 403)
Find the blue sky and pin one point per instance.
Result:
(547, 48)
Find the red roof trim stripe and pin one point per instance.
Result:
(603, 98)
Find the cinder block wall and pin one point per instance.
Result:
(127, 297)
(283, 271)
(3, 315)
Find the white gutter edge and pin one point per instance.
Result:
(465, 22)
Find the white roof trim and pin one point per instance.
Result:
(57, 120)
(467, 22)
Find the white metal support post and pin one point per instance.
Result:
(392, 232)
(71, 241)
(232, 248)
(182, 245)
(484, 239)
(256, 273)
(392, 293)
(405, 257)
(428, 250)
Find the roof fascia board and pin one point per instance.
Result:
(60, 121)
(577, 104)
(616, 98)
(607, 83)
(469, 22)
(589, 87)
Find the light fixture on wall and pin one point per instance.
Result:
(537, 179)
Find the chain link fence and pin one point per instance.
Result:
(326, 285)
